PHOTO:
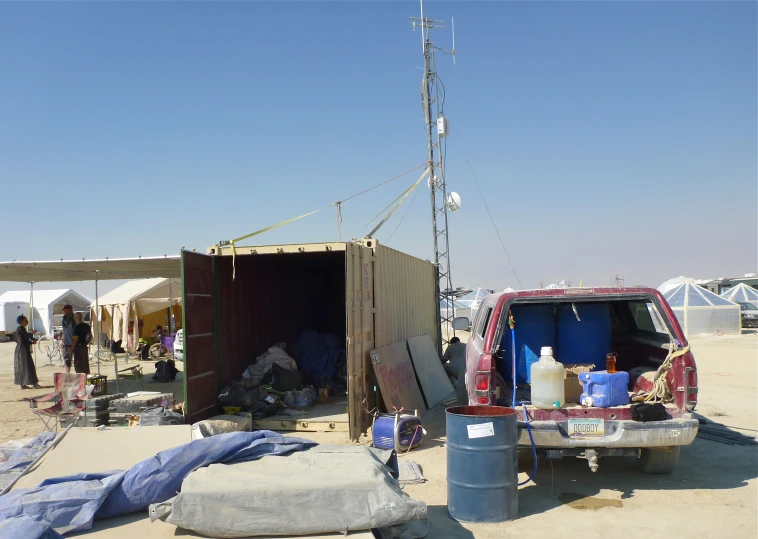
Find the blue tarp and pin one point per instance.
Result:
(318, 354)
(71, 503)
(21, 458)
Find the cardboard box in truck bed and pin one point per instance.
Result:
(572, 387)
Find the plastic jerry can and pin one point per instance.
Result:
(603, 389)
(548, 389)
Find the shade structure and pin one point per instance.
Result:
(701, 312)
(85, 270)
(741, 293)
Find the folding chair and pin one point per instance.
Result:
(69, 399)
(130, 376)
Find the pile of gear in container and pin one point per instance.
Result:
(289, 377)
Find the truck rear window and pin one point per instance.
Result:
(484, 320)
(646, 317)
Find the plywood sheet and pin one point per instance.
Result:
(434, 381)
(396, 377)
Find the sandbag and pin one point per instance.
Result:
(221, 424)
(158, 415)
(302, 491)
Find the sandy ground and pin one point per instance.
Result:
(713, 493)
(17, 420)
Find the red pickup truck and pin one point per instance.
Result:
(643, 333)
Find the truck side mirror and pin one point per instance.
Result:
(461, 323)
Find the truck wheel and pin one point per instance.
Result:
(659, 461)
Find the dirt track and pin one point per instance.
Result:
(713, 493)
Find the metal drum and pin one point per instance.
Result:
(482, 463)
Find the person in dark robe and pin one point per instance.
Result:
(24, 371)
(80, 344)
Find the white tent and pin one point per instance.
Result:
(741, 293)
(700, 311)
(133, 301)
(46, 304)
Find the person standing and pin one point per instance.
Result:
(24, 371)
(456, 355)
(68, 326)
(80, 344)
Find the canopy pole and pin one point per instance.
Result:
(113, 312)
(31, 318)
(170, 309)
(97, 322)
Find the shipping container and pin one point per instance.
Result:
(240, 300)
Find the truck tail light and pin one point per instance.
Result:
(692, 389)
(482, 386)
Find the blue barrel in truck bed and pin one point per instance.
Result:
(534, 326)
(584, 336)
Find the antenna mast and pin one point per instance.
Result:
(436, 125)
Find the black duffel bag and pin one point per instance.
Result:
(240, 396)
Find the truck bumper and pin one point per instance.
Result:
(618, 434)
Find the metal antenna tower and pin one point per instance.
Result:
(436, 126)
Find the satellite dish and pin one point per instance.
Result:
(454, 201)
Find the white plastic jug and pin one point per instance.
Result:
(547, 375)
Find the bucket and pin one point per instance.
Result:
(482, 463)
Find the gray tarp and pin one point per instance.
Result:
(324, 489)
(67, 504)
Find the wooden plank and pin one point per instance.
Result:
(396, 377)
(435, 384)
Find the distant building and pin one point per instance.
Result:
(718, 286)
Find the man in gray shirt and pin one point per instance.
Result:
(68, 335)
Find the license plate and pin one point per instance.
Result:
(586, 428)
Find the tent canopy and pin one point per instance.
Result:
(692, 295)
(741, 293)
(46, 304)
(135, 300)
(669, 285)
(90, 270)
(150, 294)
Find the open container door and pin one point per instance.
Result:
(359, 299)
(200, 343)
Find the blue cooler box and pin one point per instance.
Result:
(603, 389)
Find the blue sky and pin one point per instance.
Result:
(614, 137)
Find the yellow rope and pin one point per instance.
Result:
(261, 231)
(661, 391)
